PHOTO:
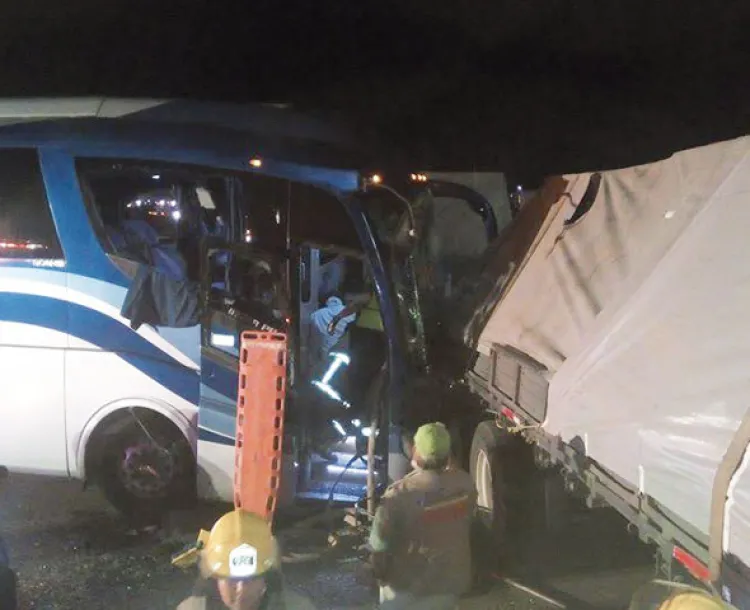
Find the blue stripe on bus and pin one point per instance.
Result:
(106, 333)
(220, 379)
(212, 437)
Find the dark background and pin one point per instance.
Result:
(528, 86)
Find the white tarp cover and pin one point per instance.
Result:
(641, 311)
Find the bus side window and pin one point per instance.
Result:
(155, 213)
(27, 228)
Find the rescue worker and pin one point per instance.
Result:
(693, 600)
(665, 595)
(240, 568)
(420, 539)
(323, 337)
(368, 344)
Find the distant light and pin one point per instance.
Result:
(669, 214)
(156, 176)
(412, 233)
(177, 214)
(366, 431)
(138, 202)
(519, 189)
(173, 203)
(256, 163)
(376, 179)
(357, 422)
(130, 205)
(160, 203)
(248, 236)
(278, 216)
(418, 177)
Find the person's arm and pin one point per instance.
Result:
(357, 305)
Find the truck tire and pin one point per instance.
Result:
(502, 467)
(486, 469)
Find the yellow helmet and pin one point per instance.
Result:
(665, 595)
(240, 545)
(693, 600)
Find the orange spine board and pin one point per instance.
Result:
(260, 422)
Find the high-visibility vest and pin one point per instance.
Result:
(370, 317)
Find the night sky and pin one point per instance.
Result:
(528, 86)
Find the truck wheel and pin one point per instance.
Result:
(486, 469)
(144, 475)
(502, 466)
(491, 451)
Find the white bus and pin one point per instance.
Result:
(131, 235)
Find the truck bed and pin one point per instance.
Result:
(633, 317)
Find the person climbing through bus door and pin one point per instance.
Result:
(323, 336)
(240, 565)
(367, 338)
(420, 538)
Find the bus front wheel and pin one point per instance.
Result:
(146, 467)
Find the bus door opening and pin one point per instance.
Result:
(243, 290)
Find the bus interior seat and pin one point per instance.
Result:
(221, 263)
(116, 238)
(165, 257)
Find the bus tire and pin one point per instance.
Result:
(146, 468)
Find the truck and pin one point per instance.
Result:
(601, 338)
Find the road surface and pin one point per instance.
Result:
(72, 551)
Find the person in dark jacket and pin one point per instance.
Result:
(421, 535)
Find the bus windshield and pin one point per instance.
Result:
(391, 221)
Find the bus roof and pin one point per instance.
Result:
(271, 119)
(222, 135)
